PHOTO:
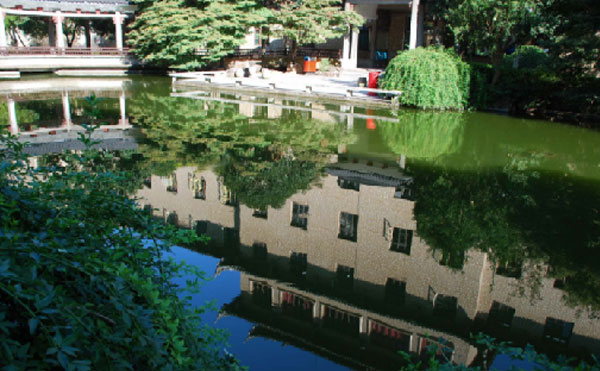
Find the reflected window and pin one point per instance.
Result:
(226, 197)
(441, 349)
(389, 337)
(148, 182)
(561, 282)
(231, 238)
(348, 226)
(148, 209)
(341, 321)
(348, 184)
(197, 185)
(298, 263)
(404, 190)
(401, 240)
(299, 216)
(510, 269)
(297, 306)
(172, 218)
(452, 259)
(259, 251)
(501, 315)
(395, 292)
(344, 277)
(445, 306)
(258, 213)
(170, 182)
(261, 294)
(558, 331)
(200, 227)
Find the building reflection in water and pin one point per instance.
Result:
(341, 271)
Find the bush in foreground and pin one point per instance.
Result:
(429, 78)
(84, 281)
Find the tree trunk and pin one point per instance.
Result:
(88, 42)
(293, 53)
(497, 62)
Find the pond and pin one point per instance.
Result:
(341, 234)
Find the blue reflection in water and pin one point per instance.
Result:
(256, 353)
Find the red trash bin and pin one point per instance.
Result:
(373, 80)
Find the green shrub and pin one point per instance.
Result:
(84, 279)
(429, 78)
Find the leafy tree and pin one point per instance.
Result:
(310, 22)
(429, 78)
(492, 26)
(36, 27)
(84, 282)
(187, 35)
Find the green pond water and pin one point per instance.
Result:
(342, 234)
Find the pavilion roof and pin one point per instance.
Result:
(124, 6)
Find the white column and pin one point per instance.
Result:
(123, 120)
(92, 36)
(12, 117)
(3, 42)
(118, 21)
(363, 324)
(66, 110)
(60, 38)
(421, 25)
(354, 48)
(414, 20)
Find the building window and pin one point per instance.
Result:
(299, 216)
(348, 226)
(259, 251)
(510, 269)
(348, 184)
(344, 277)
(197, 185)
(558, 331)
(395, 293)
(298, 263)
(501, 315)
(401, 240)
(259, 213)
(445, 306)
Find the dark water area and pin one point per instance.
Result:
(341, 235)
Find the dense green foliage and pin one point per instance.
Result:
(262, 161)
(187, 35)
(310, 21)
(493, 26)
(429, 78)
(85, 282)
(424, 135)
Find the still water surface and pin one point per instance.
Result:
(341, 235)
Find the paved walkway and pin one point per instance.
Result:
(344, 86)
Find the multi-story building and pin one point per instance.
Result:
(346, 257)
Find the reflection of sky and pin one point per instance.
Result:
(257, 353)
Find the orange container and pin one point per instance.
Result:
(310, 66)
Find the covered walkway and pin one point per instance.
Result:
(57, 53)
